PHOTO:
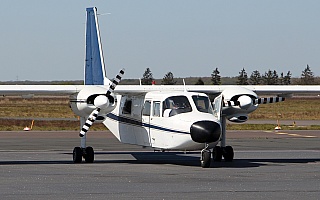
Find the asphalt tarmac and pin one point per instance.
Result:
(267, 165)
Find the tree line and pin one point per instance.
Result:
(271, 77)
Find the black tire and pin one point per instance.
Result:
(77, 155)
(89, 157)
(228, 154)
(206, 159)
(217, 154)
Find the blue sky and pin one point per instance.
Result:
(44, 40)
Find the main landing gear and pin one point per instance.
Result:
(83, 152)
(218, 152)
(225, 152)
(87, 153)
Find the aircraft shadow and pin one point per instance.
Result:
(191, 159)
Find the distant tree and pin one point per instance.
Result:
(147, 77)
(242, 78)
(275, 77)
(255, 78)
(307, 77)
(287, 79)
(270, 78)
(281, 79)
(215, 77)
(199, 82)
(168, 79)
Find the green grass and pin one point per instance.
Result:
(51, 107)
(269, 127)
(44, 125)
(291, 109)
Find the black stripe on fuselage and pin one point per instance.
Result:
(135, 122)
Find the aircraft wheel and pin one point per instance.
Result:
(77, 155)
(217, 154)
(228, 153)
(205, 159)
(89, 156)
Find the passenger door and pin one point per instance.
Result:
(146, 114)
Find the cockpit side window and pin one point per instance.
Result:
(175, 105)
(202, 104)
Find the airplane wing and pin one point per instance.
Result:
(131, 89)
(6, 90)
(217, 89)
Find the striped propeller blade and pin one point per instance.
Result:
(115, 82)
(94, 114)
(230, 103)
(92, 117)
(268, 100)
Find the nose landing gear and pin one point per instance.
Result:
(205, 157)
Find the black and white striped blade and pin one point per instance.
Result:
(256, 101)
(115, 82)
(92, 117)
(230, 103)
(268, 100)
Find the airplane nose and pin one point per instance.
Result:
(205, 131)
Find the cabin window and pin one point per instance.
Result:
(176, 105)
(156, 108)
(146, 108)
(202, 103)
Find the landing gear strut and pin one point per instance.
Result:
(205, 157)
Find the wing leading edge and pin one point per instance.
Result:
(131, 89)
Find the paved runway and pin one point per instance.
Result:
(278, 165)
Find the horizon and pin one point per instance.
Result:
(45, 41)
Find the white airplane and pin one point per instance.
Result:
(175, 117)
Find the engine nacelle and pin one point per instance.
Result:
(239, 102)
(91, 97)
(238, 118)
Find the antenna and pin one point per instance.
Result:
(104, 14)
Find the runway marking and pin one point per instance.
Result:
(281, 133)
(295, 135)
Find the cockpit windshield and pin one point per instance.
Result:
(202, 103)
(175, 105)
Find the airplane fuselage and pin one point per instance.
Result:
(163, 120)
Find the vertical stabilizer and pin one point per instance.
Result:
(95, 73)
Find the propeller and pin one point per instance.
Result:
(100, 102)
(244, 101)
(269, 100)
